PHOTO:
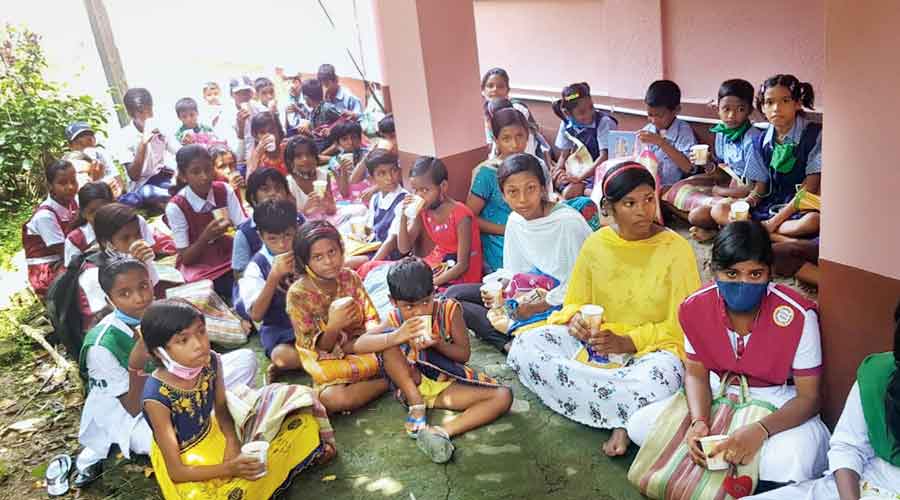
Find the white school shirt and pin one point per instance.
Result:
(71, 251)
(179, 224)
(44, 224)
(383, 202)
(252, 281)
(301, 197)
(104, 421)
(159, 153)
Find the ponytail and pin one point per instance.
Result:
(807, 95)
(892, 395)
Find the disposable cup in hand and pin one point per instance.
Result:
(412, 210)
(319, 187)
(493, 292)
(271, 146)
(708, 444)
(425, 329)
(740, 210)
(593, 316)
(134, 246)
(258, 450)
(341, 302)
(358, 227)
(701, 154)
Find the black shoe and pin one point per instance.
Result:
(88, 476)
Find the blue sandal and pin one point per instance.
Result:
(415, 424)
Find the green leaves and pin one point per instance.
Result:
(33, 116)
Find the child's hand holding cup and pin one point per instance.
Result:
(593, 317)
(140, 250)
(492, 294)
(258, 450)
(700, 154)
(319, 187)
(221, 214)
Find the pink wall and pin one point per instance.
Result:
(705, 43)
(861, 185)
(629, 43)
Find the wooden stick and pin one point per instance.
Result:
(60, 361)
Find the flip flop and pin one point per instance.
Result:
(436, 444)
(57, 475)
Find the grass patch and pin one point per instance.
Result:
(11, 234)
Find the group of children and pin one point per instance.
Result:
(286, 209)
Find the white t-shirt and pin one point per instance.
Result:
(159, 153)
(45, 225)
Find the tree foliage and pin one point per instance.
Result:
(34, 113)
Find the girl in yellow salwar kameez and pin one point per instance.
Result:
(196, 453)
(639, 272)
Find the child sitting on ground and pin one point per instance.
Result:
(347, 165)
(191, 130)
(196, 451)
(142, 152)
(82, 139)
(296, 111)
(708, 197)
(787, 155)
(112, 361)
(668, 137)
(451, 225)
(265, 93)
(44, 235)
(387, 133)
(342, 99)
(582, 126)
(495, 89)
(269, 137)
(382, 219)
(266, 280)
(301, 158)
(225, 167)
(321, 116)
(200, 216)
(212, 105)
(91, 197)
(431, 371)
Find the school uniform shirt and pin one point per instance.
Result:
(179, 224)
(381, 201)
(44, 224)
(89, 282)
(736, 154)
(344, 100)
(241, 249)
(681, 137)
(758, 171)
(253, 281)
(82, 238)
(159, 153)
(604, 124)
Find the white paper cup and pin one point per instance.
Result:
(271, 146)
(413, 209)
(707, 444)
(341, 302)
(740, 210)
(593, 315)
(258, 450)
(425, 332)
(493, 291)
(220, 213)
(320, 186)
(701, 154)
(358, 227)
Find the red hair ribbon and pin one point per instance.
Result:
(624, 168)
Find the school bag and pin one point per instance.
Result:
(63, 305)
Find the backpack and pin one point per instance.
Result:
(63, 305)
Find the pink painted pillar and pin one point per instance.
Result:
(429, 59)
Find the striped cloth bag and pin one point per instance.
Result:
(663, 468)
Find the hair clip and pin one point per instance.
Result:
(572, 96)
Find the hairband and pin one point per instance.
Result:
(624, 168)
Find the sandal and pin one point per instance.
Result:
(57, 475)
(415, 424)
(435, 442)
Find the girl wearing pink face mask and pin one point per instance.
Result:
(196, 449)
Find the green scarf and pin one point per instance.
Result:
(732, 134)
(108, 335)
(873, 376)
(783, 158)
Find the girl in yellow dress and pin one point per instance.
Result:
(196, 453)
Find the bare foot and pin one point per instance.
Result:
(702, 234)
(272, 373)
(617, 444)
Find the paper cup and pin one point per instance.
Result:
(341, 302)
(493, 291)
(413, 209)
(319, 187)
(271, 146)
(701, 154)
(707, 444)
(258, 450)
(593, 315)
(220, 213)
(358, 227)
(425, 332)
(740, 210)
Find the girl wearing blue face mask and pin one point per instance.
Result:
(744, 324)
(196, 450)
